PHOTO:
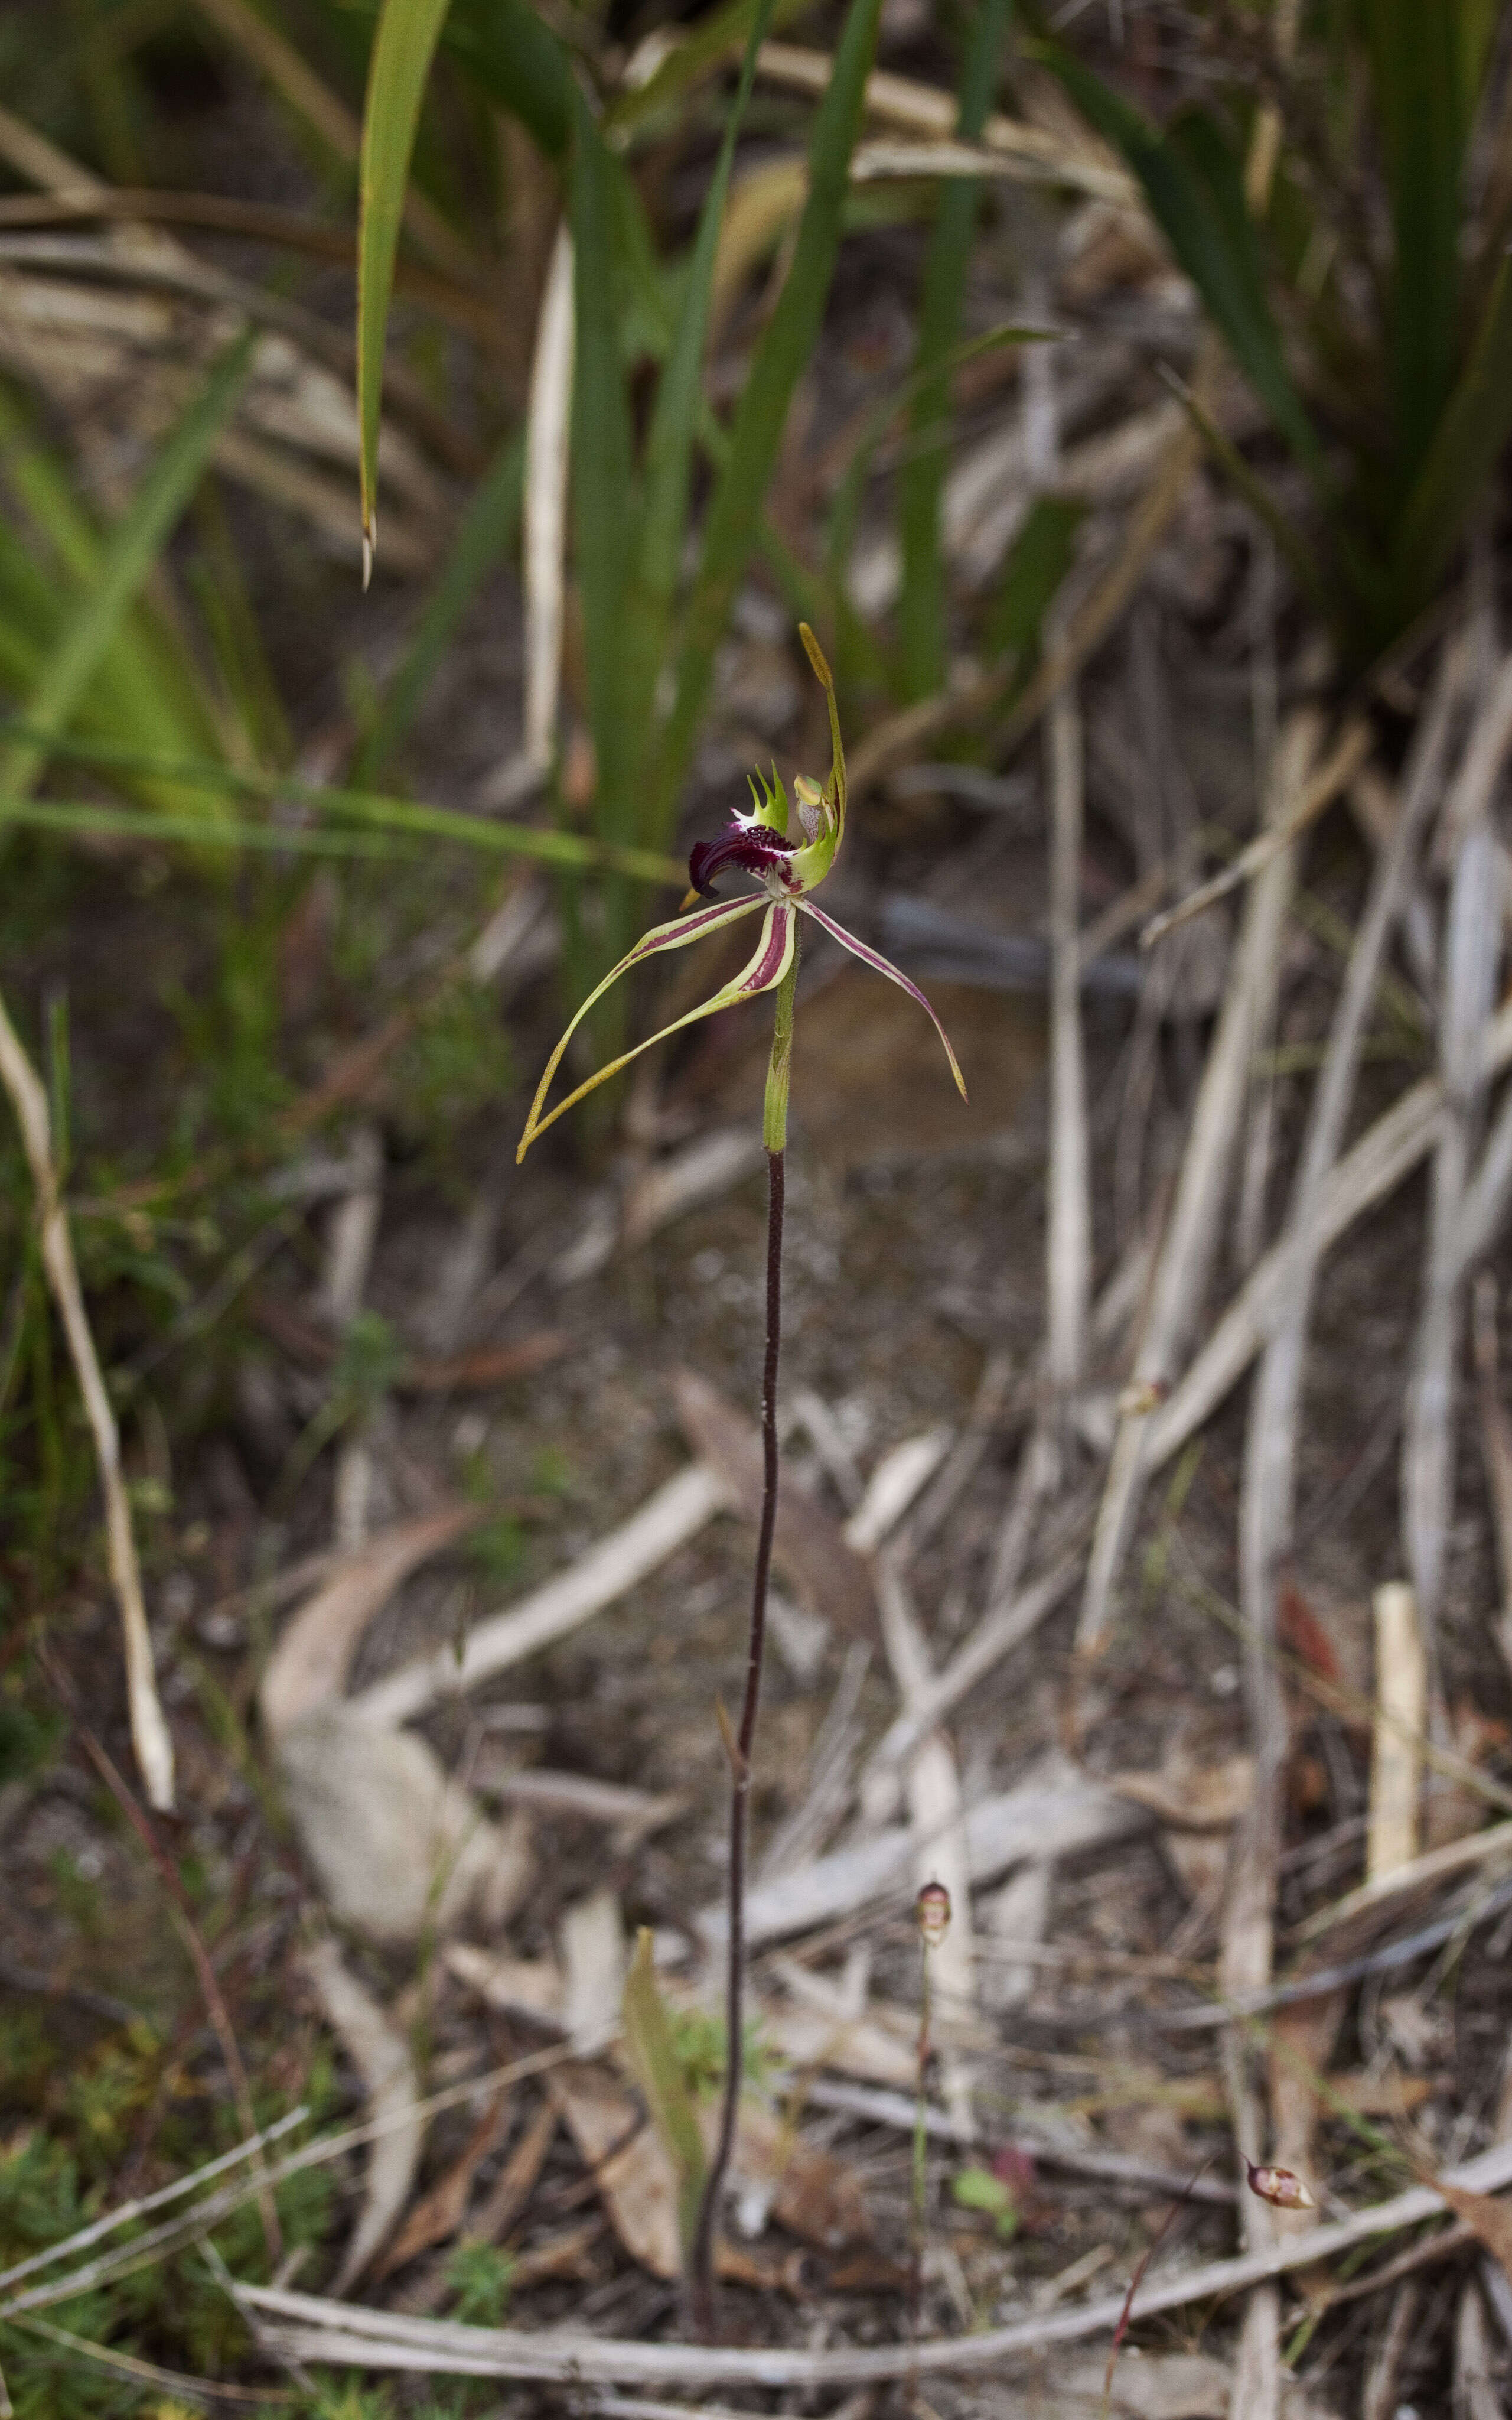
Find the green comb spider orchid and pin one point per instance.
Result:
(789, 850)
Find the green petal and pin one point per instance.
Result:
(763, 971)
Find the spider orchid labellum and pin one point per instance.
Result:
(789, 848)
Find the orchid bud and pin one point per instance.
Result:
(1281, 2186)
(932, 1912)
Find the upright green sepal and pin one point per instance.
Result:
(652, 2053)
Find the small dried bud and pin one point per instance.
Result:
(1281, 2186)
(1142, 1396)
(932, 1910)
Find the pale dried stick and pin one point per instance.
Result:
(1003, 1627)
(1386, 1154)
(1258, 1125)
(1268, 1505)
(351, 1238)
(547, 448)
(1336, 771)
(1268, 1499)
(1068, 1208)
(1380, 2400)
(1496, 1450)
(150, 1738)
(1191, 1236)
(1068, 1205)
(1402, 1709)
(315, 2328)
(904, 733)
(1472, 947)
(925, 110)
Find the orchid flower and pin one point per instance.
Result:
(790, 850)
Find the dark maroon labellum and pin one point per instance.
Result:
(750, 847)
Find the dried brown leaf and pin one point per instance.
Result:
(438, 2214)
(380, 2054)
(1489, 2219)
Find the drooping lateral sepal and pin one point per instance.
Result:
(879, 964)
(764, 970)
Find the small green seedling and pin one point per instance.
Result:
(979, 2189)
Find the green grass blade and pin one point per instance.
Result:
(148, 685)
(504, 46)
(491, 835)
(1039, 560)
(1470, 434)
(604, 505)
(86, 819)
(1418, 80)
(133, 547)
(921, 606)
(680, 395)
(486, 535)
(652, 2047)
(1190, 180)
(734, 514)
(1289, 538)
(704, 47)
(403, 48)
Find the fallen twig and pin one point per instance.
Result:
(1334, 775)
(665, 1521)
(1190, 1237)
(1386, 1154)
(310, 2327)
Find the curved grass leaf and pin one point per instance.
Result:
(403, 48)
(921, 606)
(704, 48)
(491, 835)
(1039, 560)
(508, 49)
(86, 819)
(1192, 181)
(133, 547)
(1472, 432)
(1418, 58)
(784, 353)
(680, 395)
(652, 2053)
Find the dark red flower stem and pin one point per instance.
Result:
(741, 1749)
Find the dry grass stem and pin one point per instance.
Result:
(548, 434)
(150, 1738)
(1401, 1712)
(1496, 1448)
(1068, 1208)
(1471, 949)
(1191, 1239)
(1386, 1154)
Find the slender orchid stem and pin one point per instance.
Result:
(741, 1745)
